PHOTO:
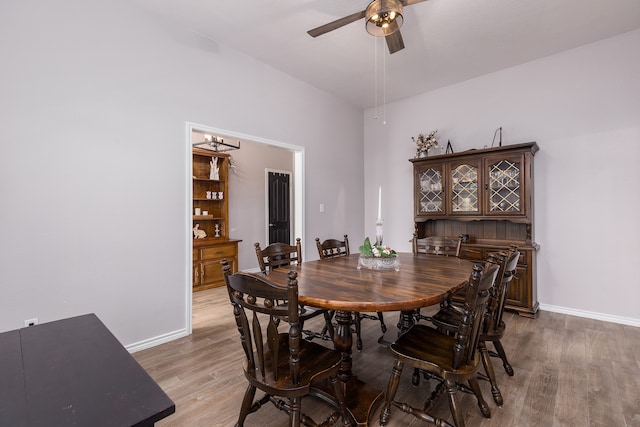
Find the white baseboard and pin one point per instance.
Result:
(170, 336)
(160, 339)
(591, 315)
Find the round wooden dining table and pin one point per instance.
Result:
(337, 284)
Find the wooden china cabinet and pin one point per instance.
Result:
(211, 215)
(486, 195)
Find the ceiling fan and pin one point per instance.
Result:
(383, 19)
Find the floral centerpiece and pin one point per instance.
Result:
(425, 143)
(376, 250)
(377, 257)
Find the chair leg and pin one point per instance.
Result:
(484, 408)
(415, 378)
(418, 316)
(328, 324)
(247, 402)
(456, 411)
(357, 320)
(503, 355)
(383, 327)
(296, 412)
(392, 388)
(338, 391)
(488, 368)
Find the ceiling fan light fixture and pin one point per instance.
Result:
(383, 17)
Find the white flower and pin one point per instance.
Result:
(425, 143)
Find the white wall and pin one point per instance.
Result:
(583, 108)
(94, 98)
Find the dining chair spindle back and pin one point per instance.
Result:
(331, 248)
(448, 318)
(277, 255)
(280, 364)
(452, 360)
(437, 245)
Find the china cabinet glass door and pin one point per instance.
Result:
(505, 185)
(430, 195)
(464, 188)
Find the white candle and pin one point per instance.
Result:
(380, 202)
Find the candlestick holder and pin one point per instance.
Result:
(379, 232)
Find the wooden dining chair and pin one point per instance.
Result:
(452, 360)
(280, 364)
(332, 248)
(437, 245)
(277, 255)
(448, 318)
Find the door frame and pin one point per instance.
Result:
(292, 219)
(297, 200)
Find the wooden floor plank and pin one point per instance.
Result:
(540, 395)
(605, 407)
(571, 404)
(629, 394)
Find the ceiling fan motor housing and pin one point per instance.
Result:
(383, 17)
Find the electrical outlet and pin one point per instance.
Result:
(31, 322)
(321, 207)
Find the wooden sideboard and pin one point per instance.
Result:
(486, 195)
(207, 272)
(211, 215)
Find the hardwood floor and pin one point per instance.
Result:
(569, 371)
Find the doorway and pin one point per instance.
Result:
(243, 228)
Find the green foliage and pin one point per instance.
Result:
(368, 249)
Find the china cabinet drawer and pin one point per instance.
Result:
(218, 252)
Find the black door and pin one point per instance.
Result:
(279, 208)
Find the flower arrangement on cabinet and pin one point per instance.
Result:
(425, 143)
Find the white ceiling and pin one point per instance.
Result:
(447, 41)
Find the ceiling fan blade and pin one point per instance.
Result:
(336, 24)
(394, 42)
(410, 2)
